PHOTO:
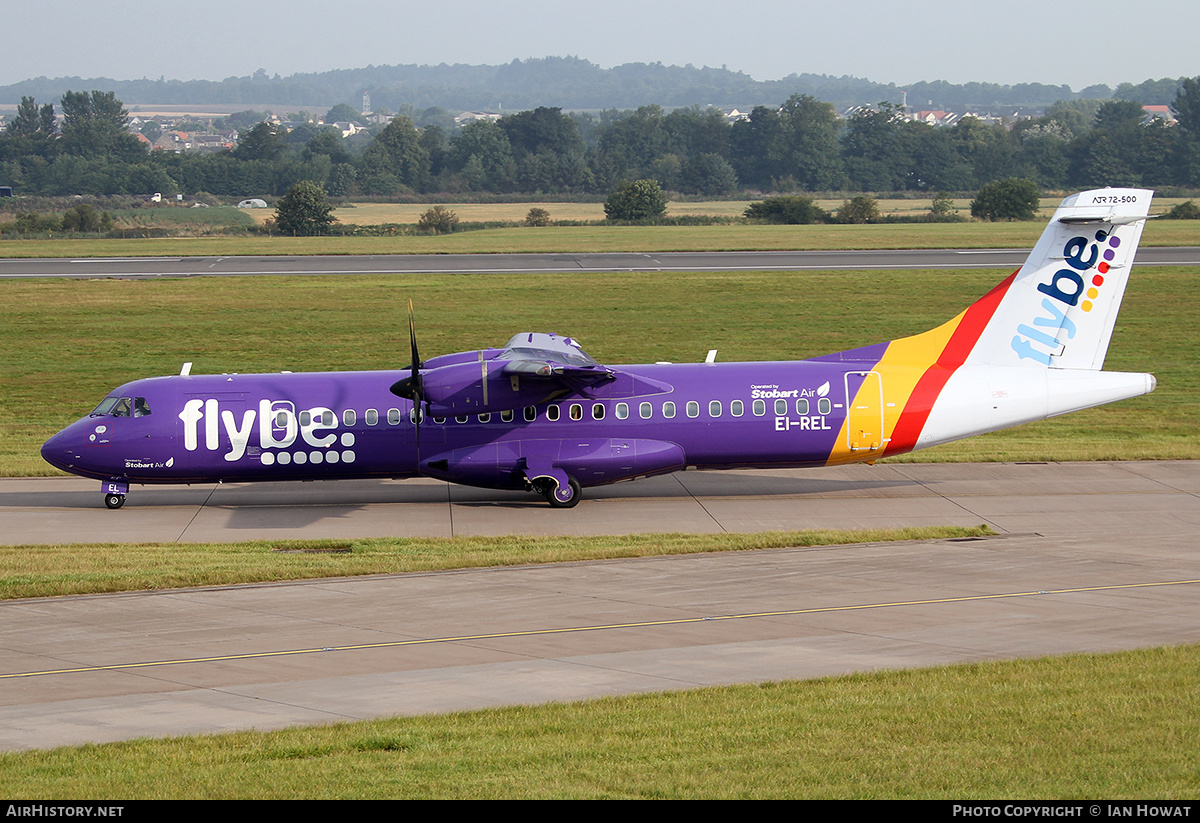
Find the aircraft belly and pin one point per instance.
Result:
(592, 461)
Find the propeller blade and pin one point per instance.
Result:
(418, 394)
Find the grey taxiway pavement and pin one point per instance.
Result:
(1089, 557)
(547, 263)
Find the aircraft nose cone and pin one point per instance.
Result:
(57, 452)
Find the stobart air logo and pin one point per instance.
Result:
(1068, 288)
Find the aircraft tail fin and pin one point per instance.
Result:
(1058, 310)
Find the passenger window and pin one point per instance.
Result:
(759, 407)
(349, 417)
(781, 406)
(576, 411)
(646, 410)
(802, 405)
(486, 417)
(552, 412)
(306, 418)
(597, 411)
(622, 411)
(372, 417)
(530, 414)
(824, 405)
(668, 410)
(736, 408)
(327, 418)
(439, 420)
(393, 417)
(693, 409)
(714, 408)
(506, 416)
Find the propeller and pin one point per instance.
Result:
(412, 387)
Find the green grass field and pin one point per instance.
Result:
(1081, 727)
(581, 239)
(58, 570)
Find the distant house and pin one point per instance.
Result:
(934, 118)
(208, 142)
(1162, 113)
(176, 141)
(472, 116)
(347, 128)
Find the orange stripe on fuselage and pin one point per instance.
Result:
(913, 371)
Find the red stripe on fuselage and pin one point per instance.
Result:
(925, 394)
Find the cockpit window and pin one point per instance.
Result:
(122, 407)
(105, 407)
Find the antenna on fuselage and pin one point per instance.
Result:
(712, 356)
(186, 370)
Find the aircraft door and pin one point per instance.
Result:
(864, 411)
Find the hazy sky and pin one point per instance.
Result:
(1010, 41)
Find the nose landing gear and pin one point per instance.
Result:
(114, 493)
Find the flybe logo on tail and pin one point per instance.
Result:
(1067, 288)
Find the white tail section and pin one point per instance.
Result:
(1060, 310)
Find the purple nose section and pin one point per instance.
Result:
(57, 452)
(78, 449)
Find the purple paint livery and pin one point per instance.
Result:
(539, 414)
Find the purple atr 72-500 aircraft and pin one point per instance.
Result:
(539, 414)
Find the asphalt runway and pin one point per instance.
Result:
(1089, 557)
(90, 268)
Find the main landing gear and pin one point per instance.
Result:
(565, 497)
(559, 495)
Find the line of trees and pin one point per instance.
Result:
(800, 146)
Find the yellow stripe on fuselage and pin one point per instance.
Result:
(902, 365)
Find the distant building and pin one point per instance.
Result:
(1162, 113)
(472, 116)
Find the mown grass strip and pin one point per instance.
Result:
(43, 571)
(583, 239)
(1106, 726)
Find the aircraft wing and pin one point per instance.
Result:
(544, 356)
(532, 368)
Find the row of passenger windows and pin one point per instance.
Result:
(573, 411)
